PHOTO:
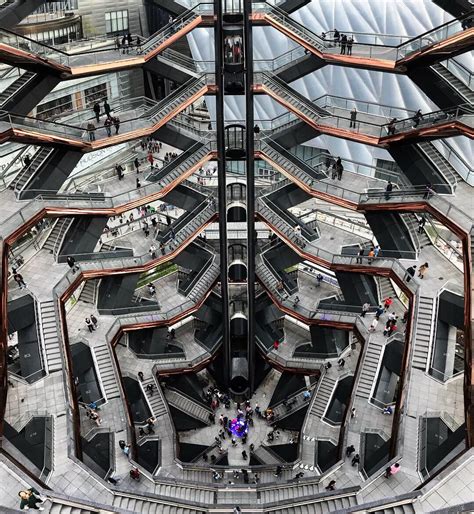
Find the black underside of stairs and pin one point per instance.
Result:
(52, 175)
(82, 236)
(298, 133)
(183, 421)
(139, 408)
(456, 8)
(392, 234)
(288, 385)
(417, 168)
(26, 98)
(286, 452)
(357, 288)
(189, 385)
(149, 455)
(324, 341)
(306, 64)
(88, 389)
(291, 6)
(293, 421)
(151, 342)
(116, 292)
(327, 454)
(97, 454)
(436, 87)
(189, 452)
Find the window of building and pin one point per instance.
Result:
(95, 94)
(54, 108)
(116, 21)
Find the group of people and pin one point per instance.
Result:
(110, 121)
(125, 43)
(335, 166)
(342, 40)
(91, 323)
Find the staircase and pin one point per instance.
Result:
(385, 288)
(368, 373)
(28, 172)
(188, 406)
(138, 505)
(88, 292)
(106, 370)
(323, 395)
(454, 82)
(411, 221)
(290, 163)
(19, 83)
(62, 508)
(298, 31)
(49, 330)
(155, 400)
(321, 507)
(424, 332)
(282, 412)
(56, 236)
(439, 162)
(179, 167)
(265, 456)
(204, 283)
(276, 221)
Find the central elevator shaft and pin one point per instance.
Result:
(235, 148)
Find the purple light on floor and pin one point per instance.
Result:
(239, 427)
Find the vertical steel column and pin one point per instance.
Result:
(251, 240)
(222, 193)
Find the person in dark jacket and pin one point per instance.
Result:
(30, 499)
(107, 109)
(96, 109)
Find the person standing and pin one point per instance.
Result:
(373, 325)
(19, 280)
(340, 169)
(422, 270)
(353, 118)
(297, 233)
(388, 190)
(94, 320)
(392, 470)
(108, 126)
(371, 255)
(410, 273)
(365, 309)
(91, 131)
(376, 251)
(150, 159)
(153, 251)
(428, 191)
(350, 42)
(355, 459)
(107, 108)
(391, 126)
(341, 363)
(30, 499)
(421, 224)
(276, 344)
(116, 121)
(417, 117)
(387, 303)
(138, 183)
(136, 163)
(89, 325)
(360, 254)
(343, 44)
(331, 486)
(96, 109)
(380, 310)
(350, 450)
(71, 262)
